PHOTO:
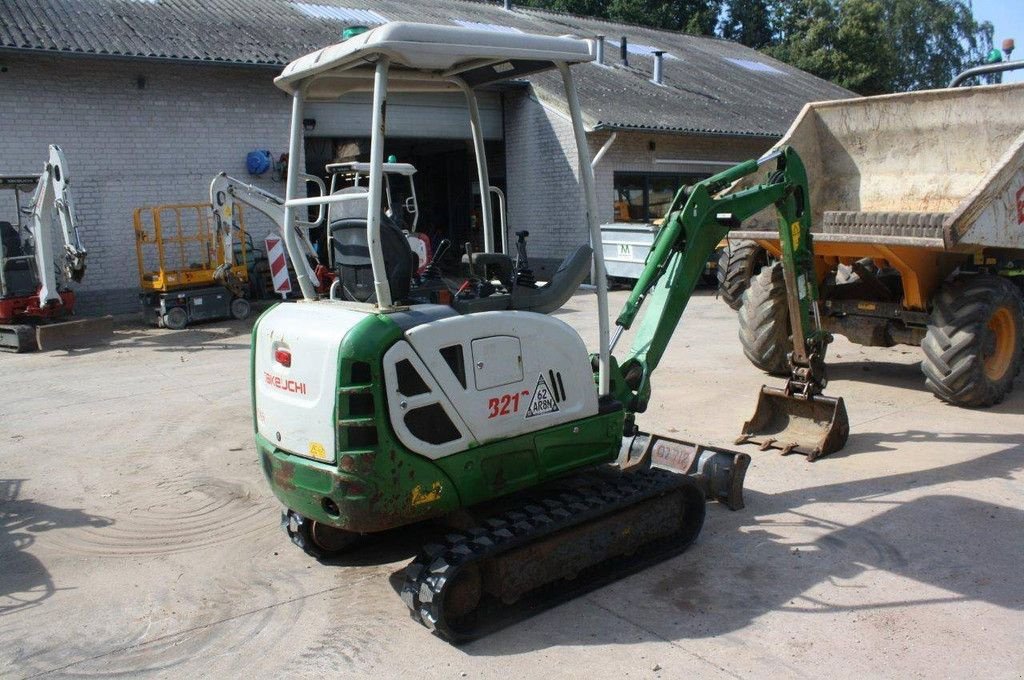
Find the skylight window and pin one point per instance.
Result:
(347, 15)
(494, 28)
(752, 65)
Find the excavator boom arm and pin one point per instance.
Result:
(697, 223)
(226, 190)
(52, 196)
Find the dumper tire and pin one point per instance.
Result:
(972, 350)
(737, 265)
(764, 321)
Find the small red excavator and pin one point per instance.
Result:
(35, 300)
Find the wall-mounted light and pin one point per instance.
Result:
(309, 124)
(651, 146)
(140, 82)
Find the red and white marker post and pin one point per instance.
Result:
(278, 266)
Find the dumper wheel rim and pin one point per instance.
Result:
(997, 355)
(175, 318)
(737, 265)
(973, 350)
(764, 321)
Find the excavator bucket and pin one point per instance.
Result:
(74, 334)
(814, 426)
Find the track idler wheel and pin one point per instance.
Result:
(317, 539)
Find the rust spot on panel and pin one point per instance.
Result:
(283, 476)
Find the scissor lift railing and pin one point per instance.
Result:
(177, 247)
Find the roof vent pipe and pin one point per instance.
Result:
(508, 5)
(658, 59)
(623, 52)
(599, 45)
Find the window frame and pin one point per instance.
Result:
(679, 178)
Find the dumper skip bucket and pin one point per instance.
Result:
(814, 426)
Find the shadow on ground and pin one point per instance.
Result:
(718, 588)
(24, 580)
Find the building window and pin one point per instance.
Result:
(645, 196)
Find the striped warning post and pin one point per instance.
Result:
(278, 265)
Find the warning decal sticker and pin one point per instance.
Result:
(543, 401)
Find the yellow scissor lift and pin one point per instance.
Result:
(188, 268)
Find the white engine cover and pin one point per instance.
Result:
(521, 372)
(295, 404)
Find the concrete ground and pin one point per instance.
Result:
(138, 537)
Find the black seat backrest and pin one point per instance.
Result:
(20, 274)
(350, 253)
(11, 240)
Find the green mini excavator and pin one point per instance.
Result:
(382, 413)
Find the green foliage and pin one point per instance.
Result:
(868, 46)
(747, 22)
(877, 46)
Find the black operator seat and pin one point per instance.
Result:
(350, 252)
(19, 274)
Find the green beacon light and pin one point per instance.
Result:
(353, 31)
(392, 158)
(994, 56)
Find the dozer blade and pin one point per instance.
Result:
(718, 472)
(74, 334)
(814, 426)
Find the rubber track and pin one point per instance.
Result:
(737, 265)
(764, 321)
(952, 362)
(438, 564)
(18, 338)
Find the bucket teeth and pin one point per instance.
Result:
(814, 425)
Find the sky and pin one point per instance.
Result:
(1008, 18)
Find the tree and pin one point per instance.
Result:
(747, 22)
(879, 46)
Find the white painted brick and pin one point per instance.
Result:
(128, 148)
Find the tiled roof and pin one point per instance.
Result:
(710, 85)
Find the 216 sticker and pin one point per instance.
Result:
(506, 404)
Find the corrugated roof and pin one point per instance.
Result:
(710, 85)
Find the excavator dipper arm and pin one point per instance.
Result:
(226, 190)
(51, 196)
(698, 218)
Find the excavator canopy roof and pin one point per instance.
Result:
(427, 57)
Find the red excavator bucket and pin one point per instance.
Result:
(814, 426)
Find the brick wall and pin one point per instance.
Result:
(542, 178)
(544, 196)
(128, 147)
